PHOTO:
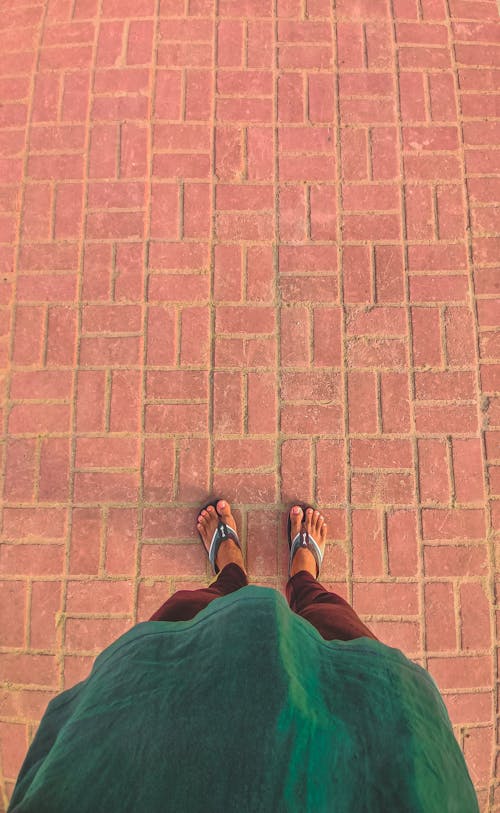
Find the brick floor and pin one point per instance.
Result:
(255, 254)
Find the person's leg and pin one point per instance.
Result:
(333, 617)
(185, 604)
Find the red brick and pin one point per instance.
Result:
(53, 481)
(228, 153)
(46, 604)
(371, 227)
(440, 624)
(291, 97)
(90, 401)
(354, 153)
(260, 273)
(450, 212)
(295, 336)
(350, 45)
(367, 543)
(120, 541)
(178, 287)
(13, 602)
(377, 487)
(431, 167)
(97, 269)
(296, 139)
(434, 477)
(437, 257)
(296, 467)
(243, 453)
(376, 352)
(162, 335)
(478, 744)
(165, 210)
(460, 346)
(103, 350)
(323, 206)
(260, 42)
(378, 35)
(29, 670)
(466, 708)
(129, 271)
(239, 226)
(261, 403)
(23, 523)
(311, 419)
(451, 560)
(292, 213)
(381, 453)
(447, 386)
(229, 43)
(194, 336)
(315, 386)
(367, 111)
(99, 596)
(105, 487)
(330, 471)
(439, 288)
(39, 418)
(474, 617)
(385, 598)
(125, 401)
(106, 452)
(158, 470)
(375, 320)
(327, 337)
(490, 377)
(362, 397)
(173, 560)
(19, 482)
(197, 210)
(389, 273)
(28, 333)
(314, 167)
(402, 544)
(37, 203)
(453, 523)
(111, 318)
(395, 402)
(385, 153)
(426, 334)
(454, 418)
(462, 672)
(14, 742)
(468, 470)
(168, 94)
(139, 43)
(228, 402)
(46, 97)
(356, 266)
(321, 98)
(419, 212)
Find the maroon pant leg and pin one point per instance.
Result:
(332, 616)
(185, 604)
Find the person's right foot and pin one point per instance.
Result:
(314, 523)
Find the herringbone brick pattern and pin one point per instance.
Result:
(251, 248)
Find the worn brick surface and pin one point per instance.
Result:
(251, 248)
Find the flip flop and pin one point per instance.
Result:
(303, 540)
(221, 533)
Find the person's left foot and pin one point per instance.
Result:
(208, 521)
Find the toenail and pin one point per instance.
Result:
(222, 504)
(295, 510)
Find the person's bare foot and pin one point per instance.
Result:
(314, 524)
(208, 519)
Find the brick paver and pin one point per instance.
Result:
(250, 247)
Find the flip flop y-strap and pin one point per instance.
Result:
(305, 540)
(221, 533)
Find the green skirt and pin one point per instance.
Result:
(246, 708)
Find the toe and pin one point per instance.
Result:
(296, 515)
(308, 521)
(322, 532)
(224, 511)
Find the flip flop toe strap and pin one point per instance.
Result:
(305, 540)
(221, 533)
